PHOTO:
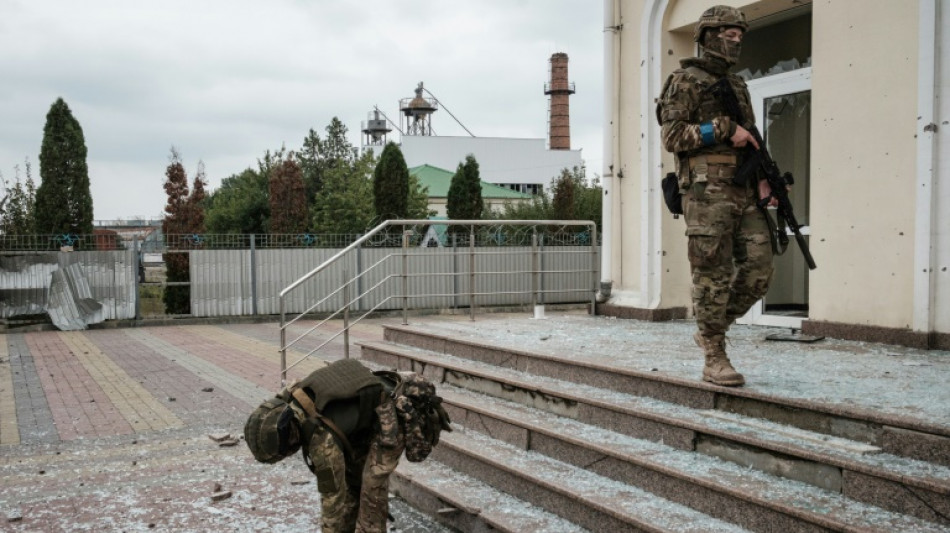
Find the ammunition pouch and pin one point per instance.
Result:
(672, 195)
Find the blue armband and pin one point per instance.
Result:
(708, 132)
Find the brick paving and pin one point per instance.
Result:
(108, 430)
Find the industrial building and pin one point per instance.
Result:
(524, 165)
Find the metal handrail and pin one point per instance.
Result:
(405, 296)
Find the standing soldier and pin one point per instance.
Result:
(730, 251)
(352, 425)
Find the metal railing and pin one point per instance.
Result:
(480, 237)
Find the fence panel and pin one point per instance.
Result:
(110, 276)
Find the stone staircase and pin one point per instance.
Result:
(548, 442)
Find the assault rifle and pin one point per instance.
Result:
(760, 160)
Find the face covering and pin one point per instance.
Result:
(719, 46)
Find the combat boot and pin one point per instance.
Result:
(718, 369)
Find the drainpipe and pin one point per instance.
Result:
(926, 167)
(611, 32)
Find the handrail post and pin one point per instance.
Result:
(253, 276)
(283, 344)
(534, 268)
(139, 255)
(346, 316)
(405, 276)
(471, 270)
(593, 268)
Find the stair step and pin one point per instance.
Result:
(918, 438)
(750, 498)
(892, 482)
(585, 498)
(467, 504)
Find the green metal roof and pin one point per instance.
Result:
(438, 181)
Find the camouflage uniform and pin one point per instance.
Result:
(379, 415)
(729, 247)
(354, 490)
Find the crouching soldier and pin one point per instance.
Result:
(352, 425)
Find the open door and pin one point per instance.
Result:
(783, 113)
(776, 62)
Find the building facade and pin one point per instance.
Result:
(853, 98)
(522, 165)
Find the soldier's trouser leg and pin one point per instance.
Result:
(338, 501)
(753, 261)
(381, 461)
(711, 214)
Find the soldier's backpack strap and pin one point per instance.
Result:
(309, 426)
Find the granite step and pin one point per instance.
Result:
(583, 497)
(724, 490)
(881, 479)
(903, 436)
(466, 504)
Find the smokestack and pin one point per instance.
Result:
(559, 108)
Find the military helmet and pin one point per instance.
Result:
(717, 17)
(271, 433)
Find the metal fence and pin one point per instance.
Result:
(430, 234)
(234, 275)
(487, 264)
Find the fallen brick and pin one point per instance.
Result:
(218, 496)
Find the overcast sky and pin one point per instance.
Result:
(223, 81)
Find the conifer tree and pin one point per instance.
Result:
(184, 216)
(565, 192)
(464, 201)
(18, 204)
(63, 199)
(391, 184)
(288, 200)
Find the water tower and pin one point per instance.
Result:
(418, 112)
(375, 129)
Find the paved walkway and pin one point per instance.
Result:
(109, 428)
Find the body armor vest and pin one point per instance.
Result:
(346, 378)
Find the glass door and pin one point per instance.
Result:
(782, 104)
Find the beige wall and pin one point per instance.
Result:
(677, 282)
(864, 150)
(864, 96)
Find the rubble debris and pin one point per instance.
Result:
(219, 496)
(218, 437)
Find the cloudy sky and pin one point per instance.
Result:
(224, 81)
